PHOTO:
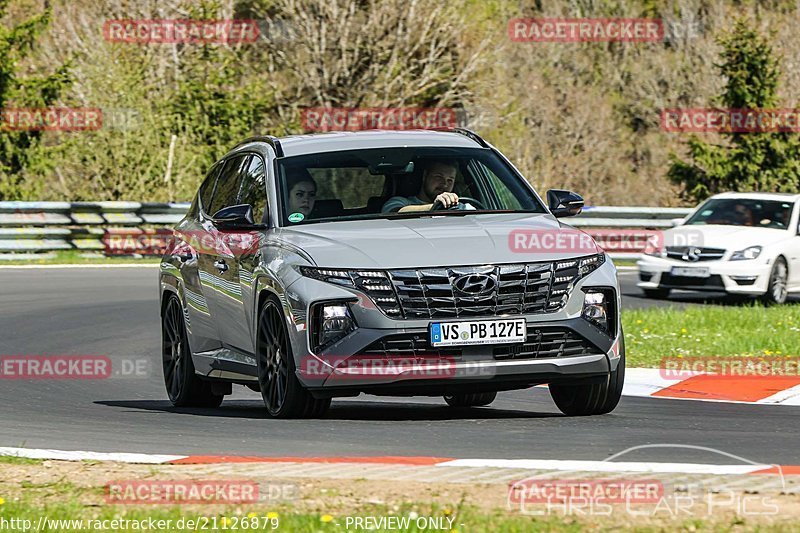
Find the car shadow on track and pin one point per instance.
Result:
(712, 298)
(348, 410)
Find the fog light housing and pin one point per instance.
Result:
(331, 322)
(598, 309)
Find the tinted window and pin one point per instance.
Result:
(226, 192)
(254, 189)
(361, 184)
(743, 212)
(207, 188)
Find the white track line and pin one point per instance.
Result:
(607, 466)
(89, 456)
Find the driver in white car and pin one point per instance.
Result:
(438, 180)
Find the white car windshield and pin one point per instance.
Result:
(743, 212)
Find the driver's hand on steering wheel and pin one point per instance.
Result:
(447, 199)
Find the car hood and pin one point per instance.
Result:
(726, 237)
(430, 241)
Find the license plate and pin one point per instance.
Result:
(690, 272)
(478, 332)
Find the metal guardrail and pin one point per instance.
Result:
(110, 227)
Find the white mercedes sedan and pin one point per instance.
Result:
(738, 243)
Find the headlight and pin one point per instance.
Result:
(375, 283)
(748, 253)
(330, 323)
(590, 264)
(598, 308)
(654, 248)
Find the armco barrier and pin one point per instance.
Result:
(138, 228)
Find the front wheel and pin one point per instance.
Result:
(475, 399)
(282, 392)
(592, 398)
(776, 290)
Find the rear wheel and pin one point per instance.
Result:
(776, 290)
(283, 394)
(656, 293)
(475, 399)
(184, 387)
(592, 398)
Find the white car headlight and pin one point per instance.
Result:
(751, 252)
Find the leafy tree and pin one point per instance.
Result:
(33, 91)
(749, 161)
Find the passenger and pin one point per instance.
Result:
(438, 180)
(302, 192)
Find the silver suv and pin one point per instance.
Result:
(388, 263)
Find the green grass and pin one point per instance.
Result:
(286, 519)
(710, 331)
(9, 460)
(73, 257)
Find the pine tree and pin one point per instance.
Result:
(768, 162)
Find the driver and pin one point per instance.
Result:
(438, 180)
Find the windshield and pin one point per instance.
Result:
(744, 212)
(398, 182)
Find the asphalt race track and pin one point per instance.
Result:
(114, 312)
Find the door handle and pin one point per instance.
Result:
(221, 265)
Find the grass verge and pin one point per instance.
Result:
(710, 331)
(73, 516)
(76, 257)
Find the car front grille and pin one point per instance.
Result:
(512, 290)
(682, 253)
(541, 343)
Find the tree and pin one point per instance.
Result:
(33, 91)
(749, 161)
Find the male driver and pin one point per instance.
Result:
(438, 180)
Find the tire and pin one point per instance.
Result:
(184, 387)
(283, 395)
(776, 289)
(592, 398)
(475, 399)
(660, 294)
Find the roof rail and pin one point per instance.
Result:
(269, 139)
(466, 133)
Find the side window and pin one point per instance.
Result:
(226, 192)
(207, 188)
(253, 190)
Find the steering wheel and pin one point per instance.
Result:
(438, 206)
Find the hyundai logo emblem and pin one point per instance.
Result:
(474, 284)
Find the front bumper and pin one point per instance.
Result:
(585, 353)
(735, 277)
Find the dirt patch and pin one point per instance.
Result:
(50, 481)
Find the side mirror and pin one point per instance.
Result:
(676, 222)
(564, 203)
(234, 217)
